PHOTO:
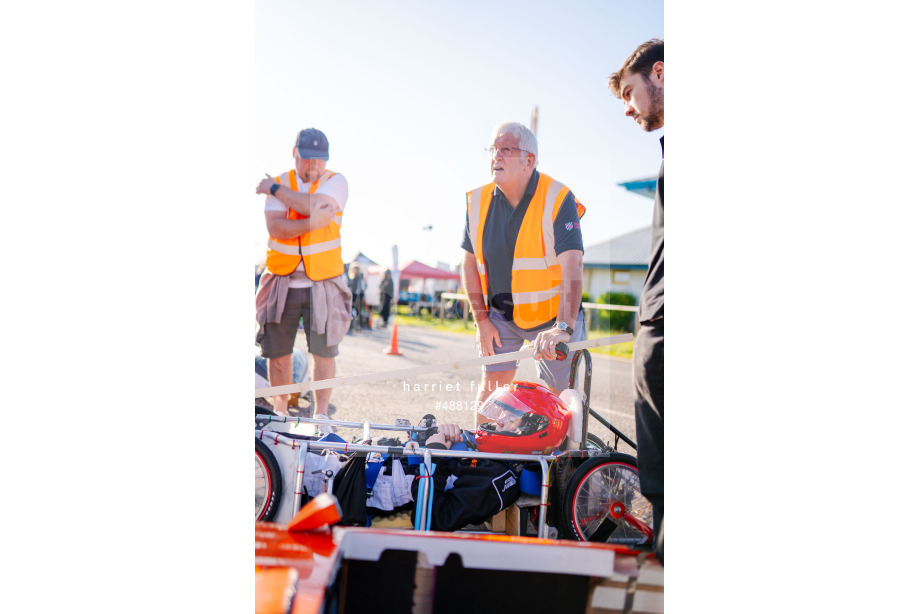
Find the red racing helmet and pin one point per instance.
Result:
(527, 418)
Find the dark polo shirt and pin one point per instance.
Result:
(499, 235)
(651, 305)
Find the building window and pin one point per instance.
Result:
(620, 278)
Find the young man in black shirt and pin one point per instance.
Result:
(639, 83)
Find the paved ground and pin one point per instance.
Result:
(383, 402)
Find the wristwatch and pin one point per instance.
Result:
(274, 188)
(565, 328)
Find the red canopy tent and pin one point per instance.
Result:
(417, 270)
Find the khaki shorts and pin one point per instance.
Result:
(278, 338)
(553, 372)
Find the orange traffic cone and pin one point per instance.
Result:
(394, 344)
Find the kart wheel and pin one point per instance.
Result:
(268, 483)
(602, 503)
(595, 443)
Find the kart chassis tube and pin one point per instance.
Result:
(357, 425)
(307, 446)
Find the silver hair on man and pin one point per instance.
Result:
(525, 138)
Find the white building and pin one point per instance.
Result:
(619, 264)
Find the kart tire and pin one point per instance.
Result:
(268, 483)
(594, 486)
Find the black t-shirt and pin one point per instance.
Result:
(651, 306)
(499, 236)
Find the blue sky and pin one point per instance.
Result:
(409, 92)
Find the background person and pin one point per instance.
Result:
(639, 83)
(304, 268)
(358, 285)
(386, 297)
(534, 295)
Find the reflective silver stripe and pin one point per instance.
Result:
(325, 246)
(528, 264)
(281, 248)
(308, 250)
(338, 221)
(481, 267)
(527, 298)
(474, 211)
(549, 235)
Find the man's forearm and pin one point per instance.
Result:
(299, 202)
(473, 287)
(288, 229)
(570, 298)
(307, 204)
(570, 301)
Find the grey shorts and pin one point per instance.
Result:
(553, 372)
(278, 339)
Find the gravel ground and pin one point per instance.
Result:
(411, 398)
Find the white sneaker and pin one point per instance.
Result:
(323, 429)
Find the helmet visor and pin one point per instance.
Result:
(507, 419)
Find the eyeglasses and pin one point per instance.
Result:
(505, 150)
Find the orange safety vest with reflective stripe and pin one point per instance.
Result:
(536, 275)
(320, 250)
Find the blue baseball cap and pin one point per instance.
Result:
(311, 143)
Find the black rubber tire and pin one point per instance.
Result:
(585, 505)
(268, 472)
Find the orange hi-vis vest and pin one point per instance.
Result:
(536, 275)
(319, 250)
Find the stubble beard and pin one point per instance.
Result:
(655, 117)
(308, 176)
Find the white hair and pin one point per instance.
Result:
(525, 138)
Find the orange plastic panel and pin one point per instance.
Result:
(275, 589)
(323, 510)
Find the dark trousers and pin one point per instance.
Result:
(385, 308)
(357, 302)
(648, 373)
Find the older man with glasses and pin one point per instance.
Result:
(522, 269)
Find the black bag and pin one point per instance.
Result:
(482, 489)
(350, 488)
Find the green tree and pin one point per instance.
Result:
(614, 320)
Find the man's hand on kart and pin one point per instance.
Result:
(544, 346)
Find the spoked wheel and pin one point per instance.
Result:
(268, 483)
(602, 503)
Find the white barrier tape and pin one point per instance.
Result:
(422, 370)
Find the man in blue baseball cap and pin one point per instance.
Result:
(304, 272)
